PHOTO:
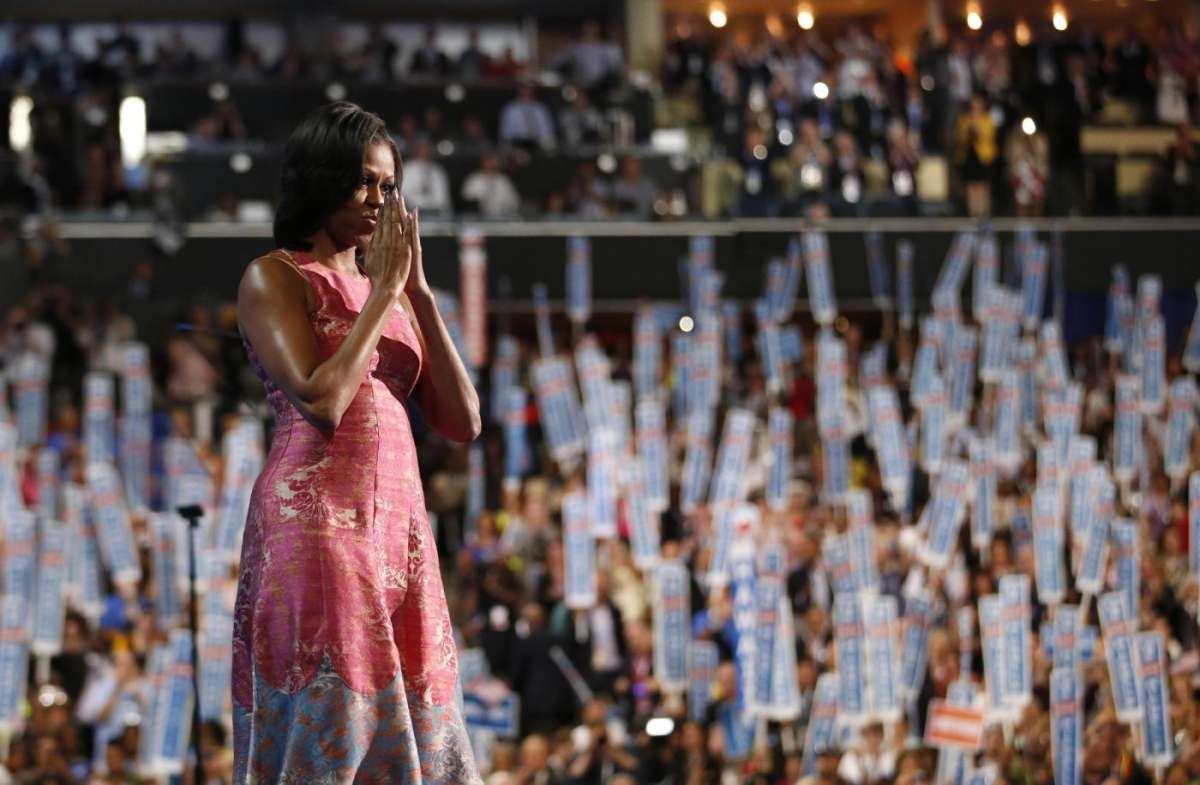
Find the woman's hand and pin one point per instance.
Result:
(416, 284)
(388, 261)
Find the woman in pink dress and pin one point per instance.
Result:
(344, 660)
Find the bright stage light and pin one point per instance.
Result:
(131, 123)
(20, 131)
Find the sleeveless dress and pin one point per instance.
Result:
(344, 659)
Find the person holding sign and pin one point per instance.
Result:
(344, 659)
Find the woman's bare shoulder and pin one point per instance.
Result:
(272, 278)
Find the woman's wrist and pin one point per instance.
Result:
(421, 295)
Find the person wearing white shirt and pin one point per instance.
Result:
(425, 183)
(491, 190)
(525, 121)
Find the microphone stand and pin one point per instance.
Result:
(192, 513)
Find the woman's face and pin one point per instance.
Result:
(355, 221)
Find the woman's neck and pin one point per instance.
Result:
(333, 255)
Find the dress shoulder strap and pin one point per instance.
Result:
(285, 256)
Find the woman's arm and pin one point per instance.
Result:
(445, 394)
(273, 315)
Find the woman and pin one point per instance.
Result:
(344, 659)
(975, 150)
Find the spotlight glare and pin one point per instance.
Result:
(821, 91)
(20, 131)
(218, 91)
(240, 162)
(1022, 34)
(1059, 19)
(974, 20)
(131, 123)
(1028, 126)
(805, 18)
(686, 324)
(660, 726)
(716, 16)
(335, 91)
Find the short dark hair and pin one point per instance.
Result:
(322, 162)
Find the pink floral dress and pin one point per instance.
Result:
(344, 660)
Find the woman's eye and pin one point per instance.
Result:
(389, 187)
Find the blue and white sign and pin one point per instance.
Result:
(948, 509)
(1033, 284)
(882, 658)
(541, 311)
(650, 424)
(1066, 725)
(1191, 352)
(1154, 364)
(1007, 433)
(991, 639)
(933, 426)
(914, 654)
(49, 610)
(112, 524)
(824, 720)
(1181, 420)
(703, 659)
(1127, 551)
(579, 552)
(647, 352)
(505, 361)
(1158, 748)
(1001, 331)
(672, 626)
(983, 500)
(986, 274)
(644, 538)
(779, 474)
(579, 279)
(850, 636)
(1016, 612)
(14, 660)
(819, 277)
(1128, 438)
(99, 420)
(1119, 628)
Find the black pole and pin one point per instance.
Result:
(192, 513)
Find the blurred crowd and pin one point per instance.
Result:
(810, 120)
(780, 121)
(586, 678)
